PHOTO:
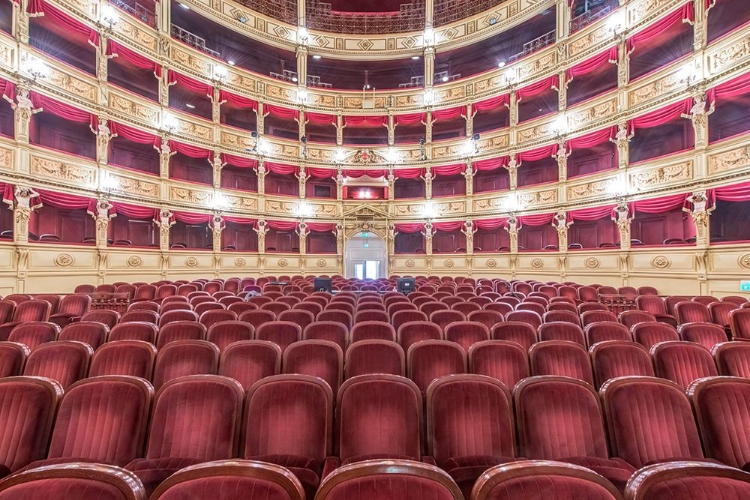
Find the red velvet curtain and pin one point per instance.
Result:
(40, 7)
(320, 118)
(237, 100)
(282, 225)
(321, 227)
(281, 112)
(410, 119)
(410, 228)
(8, 193)
(536, 219)
(448, 226)
(732, 88)
(449, 169)
(134, 134)
(278, 168)
(592, 139)
(538, 87)
(408, 173)
(321, 173)
(189, 83)
(135, 211)
(66, 201)
(365, 121)
(240, 220)
(590, 214)
(63, 110)
(491, 103)
(736, 192)
(684, 13)
(660, 205)
(490, 223)
(491, 163)
(539, 153)
(239, 161)
(191, 218)
(448, 114)
(592, 64)
(661, 116)
(190, 150)
(7, 89)
(133, 57)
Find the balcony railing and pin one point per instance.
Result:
(137, 10)
(192, 40)
(537, 44)
(588, 17)
(291, 76)
(448, 11)
(410, 17)
(283, 10)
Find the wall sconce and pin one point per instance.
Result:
(512, 204)
(302, 35)
(35, 67)
(109, 182)
(560, 125)
(302, 96)
(219, 73)
(618, 187)
(219, 202)
(170, 123)
(689, 74)
(110, 17)
(510, 77)
(303, 209)
(392, 156)
(428, 98)
(616, 24)
(262, 147)
(422, 152)
(339, 156)
(429, 210)
(428, 38)
(303, 140)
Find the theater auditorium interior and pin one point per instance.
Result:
(375, 250)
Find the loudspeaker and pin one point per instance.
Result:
(405, 285)
(323, 285)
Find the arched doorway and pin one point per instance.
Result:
(365, 256)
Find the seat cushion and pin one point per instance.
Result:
(616, 470)
(307, 470)
(56, 461)
(377, 456)
(466, 470)
(153, 471)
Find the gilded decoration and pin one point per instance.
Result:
(538, 198)
(592, 263)
(409, 263)
(449, 263)
(728, 57)
(132, 109)
(670, 173)
(6, 158)
(136, 35)
(729, 160)
(661, 262)
(64, 260)
(657, 88)
(744, 261)
(71, 84)
(59, 170)
(137, 186)
(134, 261)
(321, 263)
(283, 263)
(537, 263)
(589, 190)
(189, 195)
(239, 262)
(191, 262)
(491, 263)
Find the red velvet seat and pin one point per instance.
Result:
(605, 331)
(563, 306)
(720, 313)
(136, 330)
(379, 416)
(89, 332)
(7, 308)
(374, 356)
(240, 307)
(140, 316)
(248, 361)
(500, 307)
(543, 480)
(34, 333)
(457, 407)
(739, 322)
(649, 420)
(502, 360)
(224, 333)
(732, 359)
(12, 358)
(528, 317)
(487, 317)
(27, 411)
(372, 330)
(519, 332)
(312, 307)
(30, 310)
(282, 333)
(372, 315)
(561, 358)
(705, 334)
(185, 357)
(656, 306)
(591, 306)
(144, 293)
(561, 330)
(589, 317)
(688, 481)
(176, 315)
(339, 316)
(407, 316)
(527, 305)
(75, 481)
(692, 312)
(209, 318)
(619, 358)
(205, 307)
(570, 407)
(180, 330)
(683, 362)
(231, 480)
(562, 316)
(124, 357)
(257, 317)
(650, 334)
(327, 330)
(71, 306)
(633, 317)
(430, 359)
(289, 422)
(430, 307)
(109, 318)
(389, 479)
(298, 316)
(414, 331)
(466, 333)
(466, 308)
(65, 362)
(112, 410)
(194, 419)
(316, 358)
(393, 307)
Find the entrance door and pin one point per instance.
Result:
(365, 257)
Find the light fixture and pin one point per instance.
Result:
(110, 16)
(36, 68)
(317, 56)
(392, 155)
(428, 210)
(109, 182)
(186, 7)
(512, 204)
(294, 79)
(560, 125)
(510, 77)
(262, 147)
(303, 209)
(445, 78)
(219, 201)
(339, 156)
(230, 62)
(188, 105)
(429, 97)
(415, 58)
(301, 96)
(429, 37)
(170, 123)
(219, 72)
(616, 23)
(501, 64)
(689, 74)
(302, 35)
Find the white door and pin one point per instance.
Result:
(365, 257)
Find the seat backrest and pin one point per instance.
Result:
(466, 333)
(739, 322)
(109, 318)
(732, 358)
(282, 333)
(289, 415)
(374, 356)
(185, 357)
(683, 362)
(705, 334)
(569, 406)
(633, 317)
(63, 361)
(141, 316)
(33, 333)
(412, 332)
(620, 358)
(562, 330)
(485, 404)
(337, 315)
(210, 403)
(75, 305)
(124, 357)
(430, 359)
(561, 358)
(248, 361)
(604, 331)
(89, 332)
(650, 334)
(32, 310)
(371, 315)
(332, 331)
(210, 318)
(487, 317)
(589, 317)
(180, 330)
(688, 481)
(562, 316)
(113, 410)
(224, 333)
(136, 330)
(502, 360)
(316, 358)
(528, 317)
(443, 318)
(692, 312)
(379, 416)
(519, 332)
(406, 316)
(299, 316)
(372, 330)
(12, 358)
(651, 304)
(177, 315)
(27, 411)
(257, 317)
(636, 409)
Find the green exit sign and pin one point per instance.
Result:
(745, 286)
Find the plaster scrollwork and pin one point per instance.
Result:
(134, 261)
(744, 260)
(64, 260)
(661, 262)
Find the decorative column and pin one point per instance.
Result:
(391, 183)
(429, 67)
(700, 27)
(216, 103)
(428, 233)
(427, 177)
(340, 238)
(391, 239)
(699, 116)
(103, 136)
(303, 231)
(623, 218)
(513, 108)
(164, 223)
(260, 120)
(623, 64)
(216, 166)
(217, 226)
(164, 84)
(469, 231)
(562, 91)
(700, 214)
(564, 15)
(261, 176)
(23, 109)
(102, 217)
(339, 129)
(165, 153)
(622, 140)
(302, 178)
(468, 174)
(428, 127)
(391, 128)
(513, 171)
(301, 63)
(301, 131)
(261, 231)
(102, 70)
(470, 113)
(20, 26)
(164, 17)
(560, 222)
(339, 184)
(512, 229)
(562, 161)
(22, 212)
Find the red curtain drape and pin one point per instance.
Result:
(449, 169)
(410, 119)
(410, 228)
(240, 220)
(661, 116)
(134, 134)
(408, 173)
(684, 13)
(736, 192)
(365, 121)
(321, 173)
(490, 223)
(8, 194)
(281, 112)
(592, 64)
(491, 163)
(190, 150)
(448, 114)
(320, 118)
(47, 104)
(135, 211)
(7, 89)
(592, 139)
(660, 205)
(282, 225)
(237, 100)
(448, 226)
(590, 214)
(538, 87)
(278, 168)
(191, 218)
(732, 88)
(491, 103)
(356, 174)
(536, 219)
(39, 7)
(189, 83)
(321, 227)
(66, 201)
(133, 57)
(539, 153)
(239, 161)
